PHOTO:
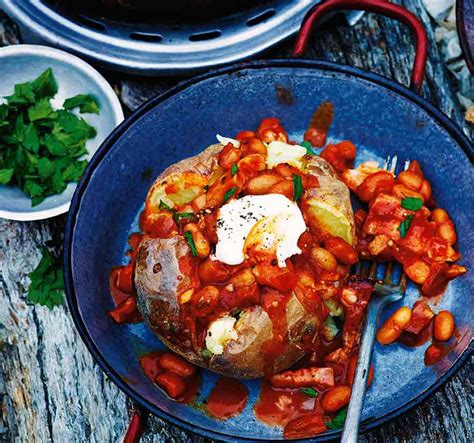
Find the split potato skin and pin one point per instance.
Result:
(159, 282)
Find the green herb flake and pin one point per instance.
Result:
(230, 193)
(85, 102)
(179, 215)
(206, 353)
(412, 203)
(234, 169)
(164, 205)
(309, 148)
(405, 225)
(329, 329)
(297, 187)
(338, 421)
(310, 392)
(6, 175)
(189, 238)
(47, 284)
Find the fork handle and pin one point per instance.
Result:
(359, 386)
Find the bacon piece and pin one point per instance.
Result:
(420, 317)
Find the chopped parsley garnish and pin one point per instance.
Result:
(309, 149)
(206, 187)
(234, 169)
(40, 147)
(297, 187)
(230, 193)
(412, 203)
(206, 353)
(179, 215)
(189, 238)
(310, 392)
(338, 421)
(47, 284)
(164, 205)
(405, 225)
(85, 102)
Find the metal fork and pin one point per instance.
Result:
(385, 292)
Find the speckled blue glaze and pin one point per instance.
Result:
(379, 116)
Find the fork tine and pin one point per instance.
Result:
(373, 270)
(403, 283)
(364, 272)
(388, 273)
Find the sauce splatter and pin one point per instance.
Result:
(227, 399)
(150, 364)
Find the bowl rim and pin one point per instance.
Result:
(78, 64)
(102, 152)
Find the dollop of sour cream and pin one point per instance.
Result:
(269, 222)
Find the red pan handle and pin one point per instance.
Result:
(135, 428)
(382, 7)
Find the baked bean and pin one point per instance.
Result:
(253, 146)
(425, 190)
(229, 156)
(262, 183)
(336, 398)
(394, 325)
(443, 326)
(342, 250)
(439, 216)
(410, 179)
(251, 165)
(177, 364)
(284, 170)
(374, 184)
(323, 258)
(243, 278)
(242, 135)
(447, 232)
(172, 383)
(417, 271)
(285, 187)
(213, 271)
(402, 191)
(203, 248)
(205, 300)
(270, 130)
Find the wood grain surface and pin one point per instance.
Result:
(51, 389)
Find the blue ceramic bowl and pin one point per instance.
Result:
(379, 116)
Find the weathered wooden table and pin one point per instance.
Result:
(51, 389)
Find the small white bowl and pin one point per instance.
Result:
(22, 63)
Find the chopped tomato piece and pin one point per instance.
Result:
(340, 156)
(305, 426)
(316, 136)
(126, 312)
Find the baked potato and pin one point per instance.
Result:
(260, 315)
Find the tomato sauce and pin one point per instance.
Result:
(227, 399)
(150, 364)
